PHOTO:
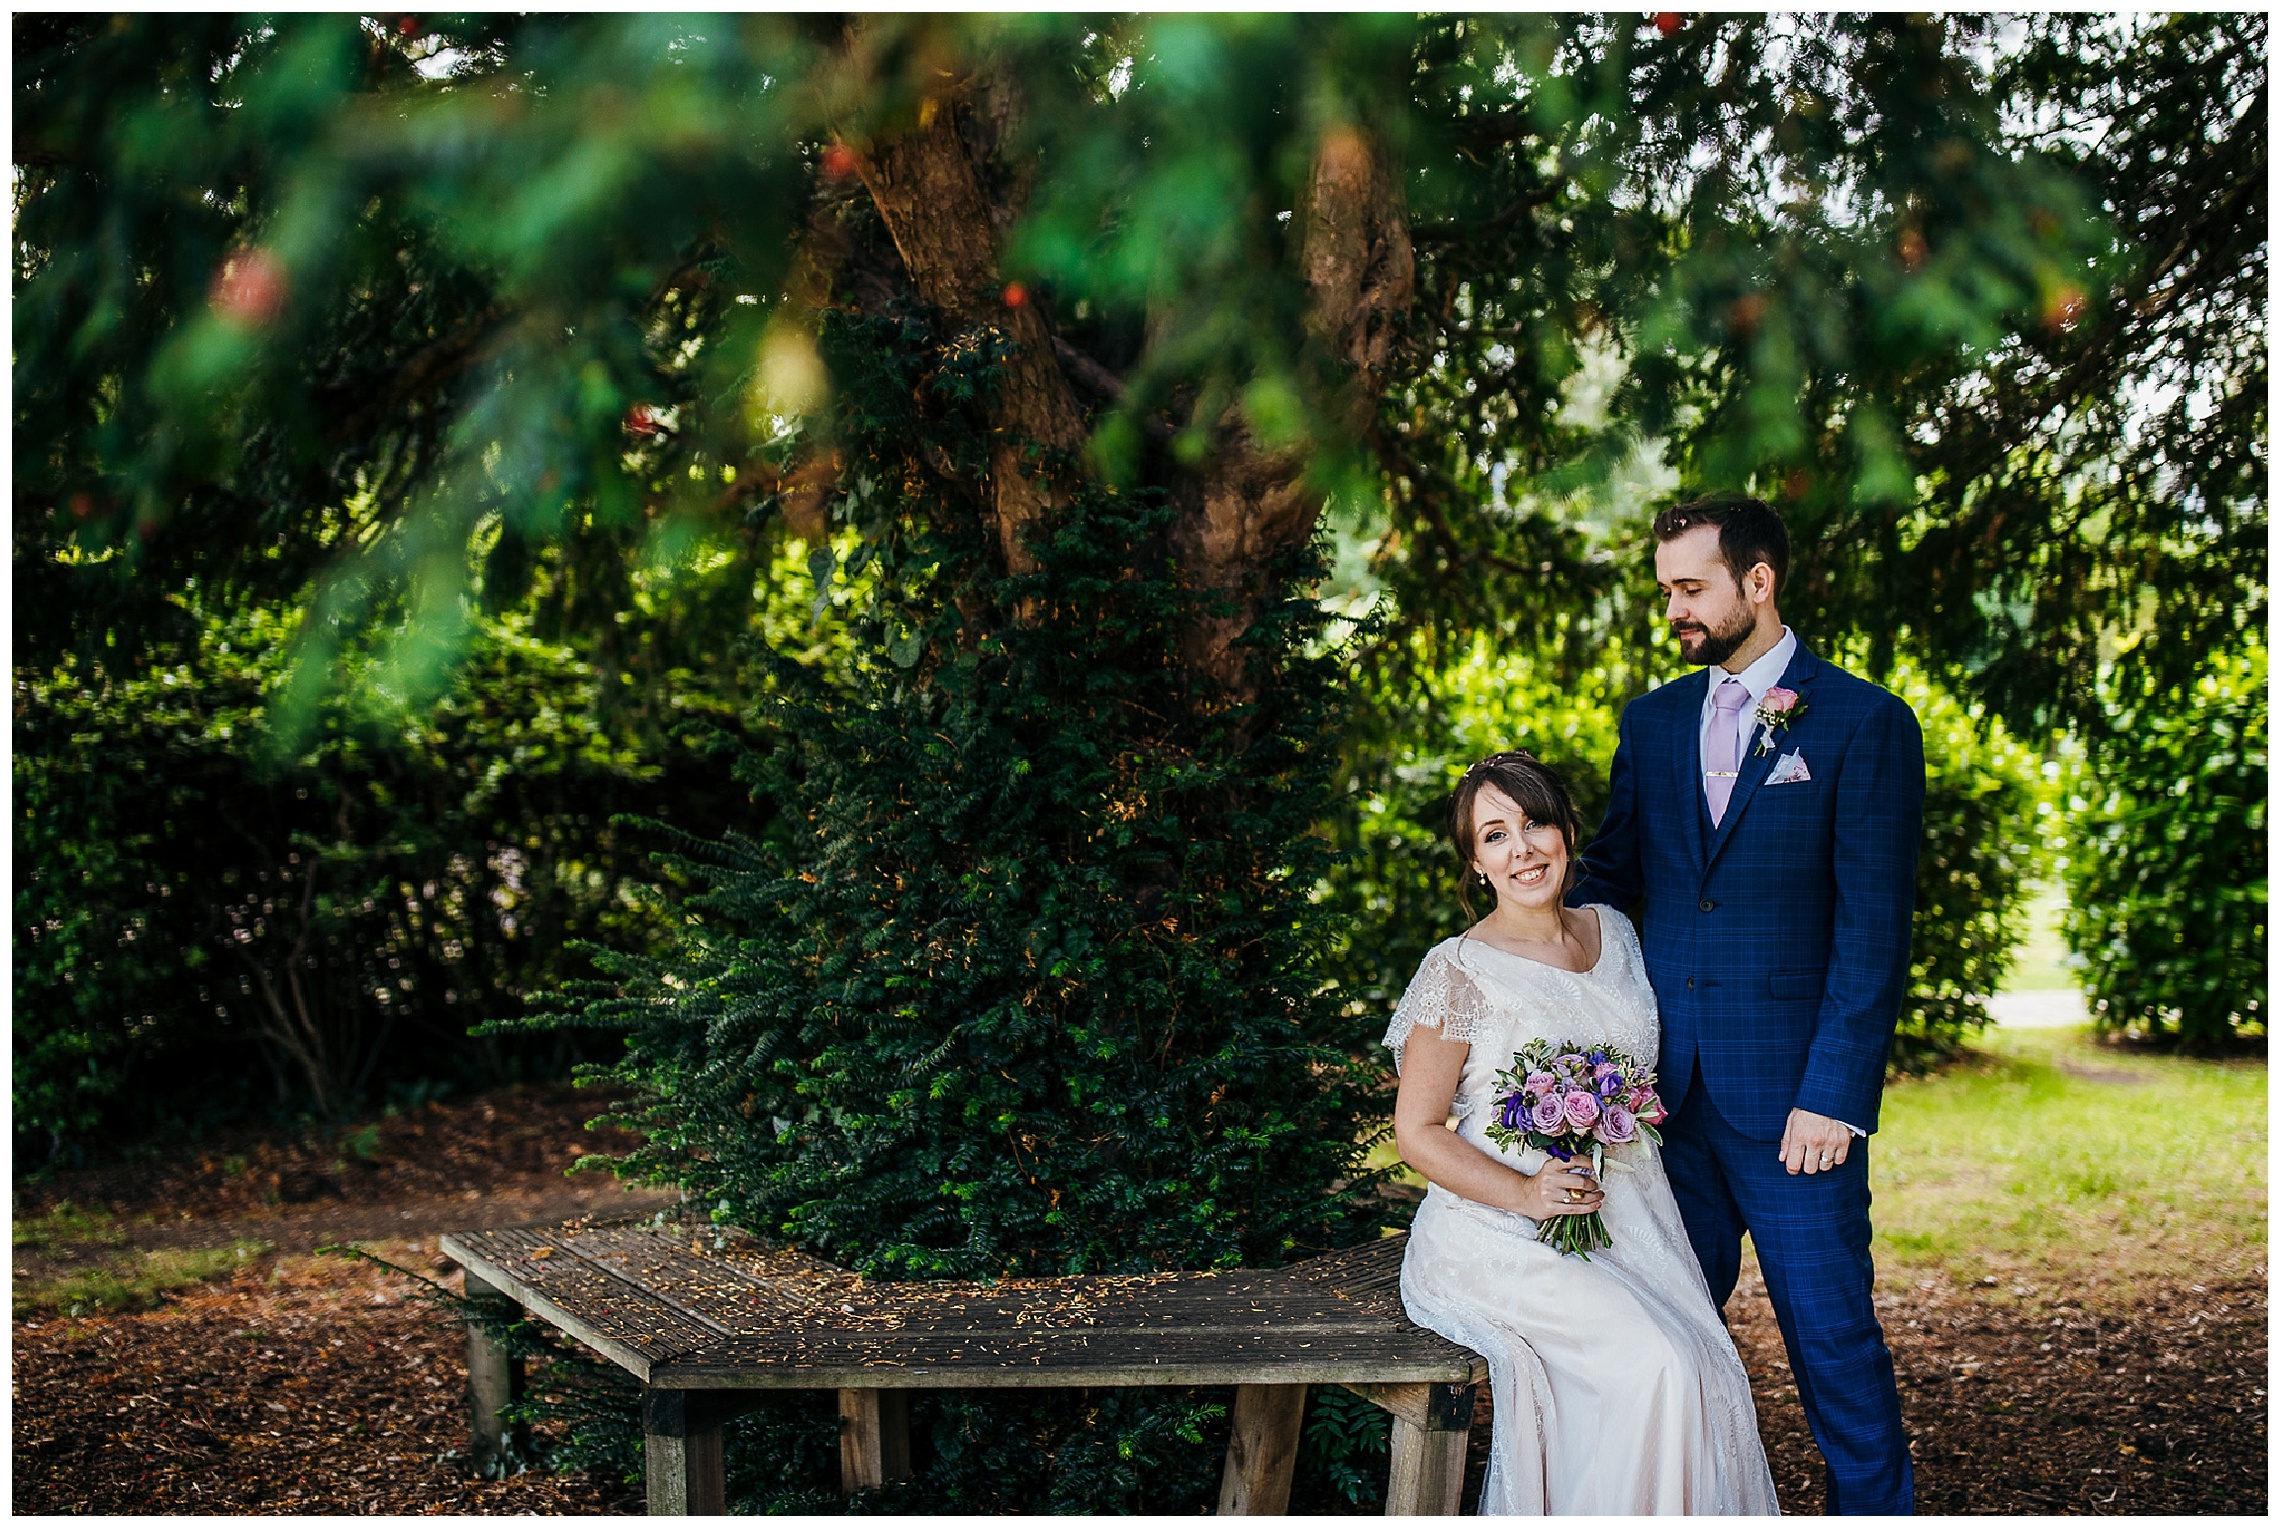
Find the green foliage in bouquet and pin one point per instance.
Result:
(2166, 869)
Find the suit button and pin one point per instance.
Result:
(1690, 984)
(1707, 904)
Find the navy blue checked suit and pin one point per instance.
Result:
(1777, 943)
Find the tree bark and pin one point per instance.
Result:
(1246, 503)
(1252, 504)
(931, 199)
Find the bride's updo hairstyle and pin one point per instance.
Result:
(1533, 787)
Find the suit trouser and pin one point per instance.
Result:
(1812, 1237)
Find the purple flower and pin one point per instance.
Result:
(1515, 1112)
(1539, 1083)
(1610, 1084)
(1548, 1116)
(1597, 1058)
(1617, 1127)
(1582, 1110)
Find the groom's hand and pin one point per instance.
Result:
(1814, 1142)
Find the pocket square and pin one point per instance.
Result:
(1789, 769)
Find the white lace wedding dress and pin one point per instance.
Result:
(1617, 1389)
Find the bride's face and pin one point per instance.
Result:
(1525, 862)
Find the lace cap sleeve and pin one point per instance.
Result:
(1440, 996)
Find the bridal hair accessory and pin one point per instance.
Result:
(1569, 1100)
(1775, 713)
(1509, 755)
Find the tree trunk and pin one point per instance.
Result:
(1250, 504)
(932, 202)
(1244, 505)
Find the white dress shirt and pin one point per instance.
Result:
(1758, 678)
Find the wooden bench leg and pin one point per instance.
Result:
(681, 1449)
(494, 1381)
(1430, 1431)
(874, 1438)
(1262, 1450)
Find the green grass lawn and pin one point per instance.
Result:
(2047, 1160)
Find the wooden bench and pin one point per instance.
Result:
(703, 1329)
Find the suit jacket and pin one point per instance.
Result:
(1777, 941)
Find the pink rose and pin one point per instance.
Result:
(1654, 1113)
(1539, 1083)
(1582, 1110)
(1777, 700)
(1606, 1069)
(1547, 1115)
(1616, 1126)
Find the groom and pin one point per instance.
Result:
(1762, 821)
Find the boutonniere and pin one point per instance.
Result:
(1774, 713)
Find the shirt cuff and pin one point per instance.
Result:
(1855, 1129)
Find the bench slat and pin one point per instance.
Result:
(984, 1359)
(623, 1322)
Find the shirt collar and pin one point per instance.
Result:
(1764, 674)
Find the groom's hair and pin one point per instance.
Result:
(1749, 532)
(1534, 787)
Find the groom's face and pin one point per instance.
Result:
(1707, 609)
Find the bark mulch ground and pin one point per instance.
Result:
(2028, 1403)
(460, 1162)
(311, 1384)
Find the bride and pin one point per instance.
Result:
(1617, 1389)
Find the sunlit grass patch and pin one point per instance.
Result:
(2049, 1158)
(135, 1282)
(66, 1225)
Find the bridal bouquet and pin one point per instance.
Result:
(1566, 1101)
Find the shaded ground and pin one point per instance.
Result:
(491, 1160)
(296, 1383)
(2021, 1401)
(310, 1385)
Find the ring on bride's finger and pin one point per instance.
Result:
(1575, 1196)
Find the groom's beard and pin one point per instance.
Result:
(1709, 645)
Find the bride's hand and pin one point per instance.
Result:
(1561, 1188)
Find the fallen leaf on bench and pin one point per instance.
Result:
(542, 1252)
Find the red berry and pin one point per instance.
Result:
(1667, 22)
(407, 26)
(1016, 295)
(838, 162)
(249, 289)
(640, 421)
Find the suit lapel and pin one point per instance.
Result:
(1755, 765)
(1686, 766)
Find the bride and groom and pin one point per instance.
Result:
(1761, 830)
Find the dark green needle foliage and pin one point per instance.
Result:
(1028, 987)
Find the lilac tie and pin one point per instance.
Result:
(1722, 750)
